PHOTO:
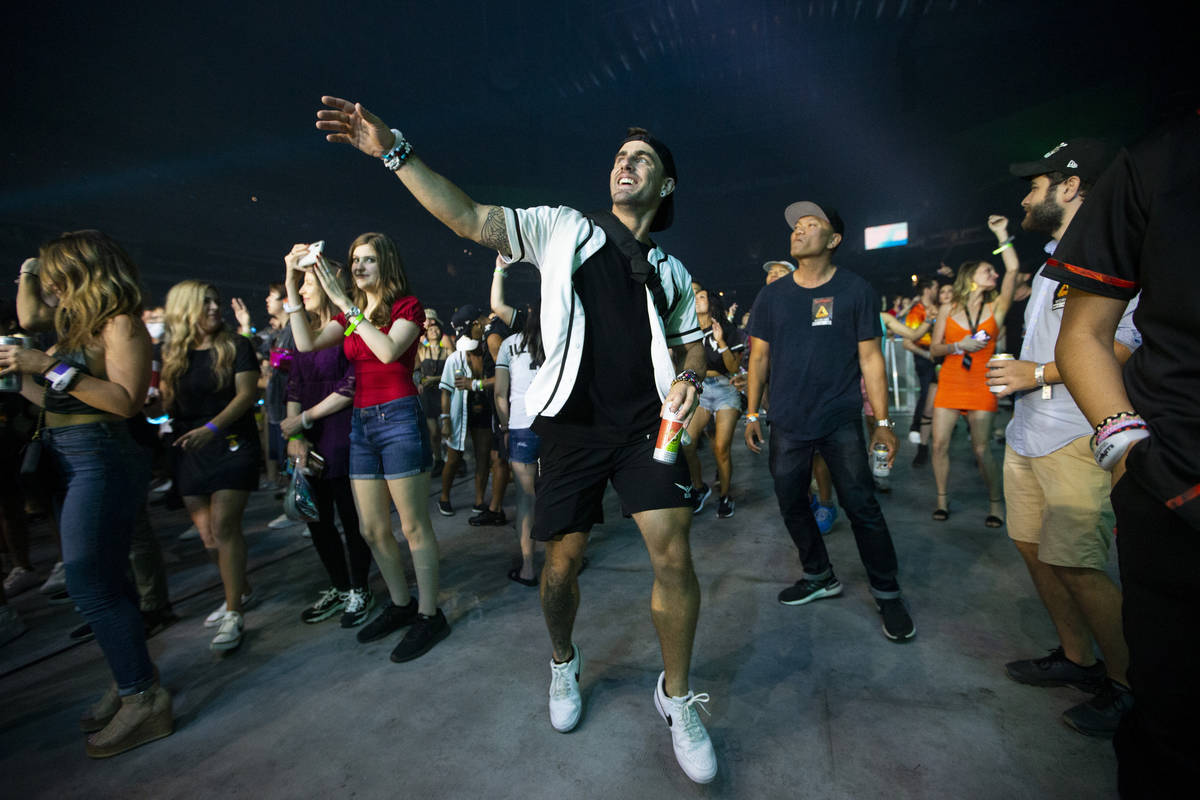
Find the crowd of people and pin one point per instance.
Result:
(367, 395)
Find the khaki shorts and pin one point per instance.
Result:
(1060, 503)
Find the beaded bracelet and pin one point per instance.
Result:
(691, 377)
(1107, 425)
(1117, 427)
(395, 158)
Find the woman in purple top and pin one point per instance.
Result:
(320, 392)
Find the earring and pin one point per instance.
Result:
(663, 192)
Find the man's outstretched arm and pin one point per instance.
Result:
(350, 123)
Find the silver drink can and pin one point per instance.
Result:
(12, 381)
(879, 461)
(1000, 357)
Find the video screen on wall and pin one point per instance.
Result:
(894, 234)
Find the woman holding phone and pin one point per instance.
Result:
(390, 456)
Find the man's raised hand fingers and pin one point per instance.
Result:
(336, 102)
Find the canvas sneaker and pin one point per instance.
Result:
(329, 603)
(897, 623)
(218, 616)
(229, 635)
(693, 747)
(359, 603)
(806, 590)
(1056, 669)
(566, 704)
(725, 507)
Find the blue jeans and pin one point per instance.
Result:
(104, 484)
(389, 441)
(845, 451)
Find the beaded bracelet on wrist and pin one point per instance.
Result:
(397, 157)
(691, 377)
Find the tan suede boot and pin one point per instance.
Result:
(143, 717)
(101, 712)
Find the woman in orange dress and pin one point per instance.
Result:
(965, 334)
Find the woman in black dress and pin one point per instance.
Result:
(431, 358)
(209, 384)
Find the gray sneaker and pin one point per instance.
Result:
(1056, 669)
(1101, 715)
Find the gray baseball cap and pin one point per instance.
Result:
(790, 266)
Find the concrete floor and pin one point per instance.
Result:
(810, 701)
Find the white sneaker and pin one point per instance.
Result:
(214, 619)
(914, 437)
(282, 521)
(20, 580)
(565, 703)
(191, 533)
(57, 580)
(229, 635)
(11, 625)
(162, 487)
(693, 748)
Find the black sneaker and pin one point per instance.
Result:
(805, 591)
(897, 624)
(479, 508)
(922, 456)
(1057, 670)
(1100, 716)
(82, 634)
(359, 603)
(392, 618)
(725, 507)
(59, 598)
(488, 517)
(421, 637)
(699, 495)
(331, 601)
(445, 509)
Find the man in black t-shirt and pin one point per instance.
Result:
(1138, 232)
(817, 333)
(613, 307)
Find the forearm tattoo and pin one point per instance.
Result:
(494, 233)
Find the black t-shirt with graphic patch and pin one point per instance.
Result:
(813, 335)
(614, 401)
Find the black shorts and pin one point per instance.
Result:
(571, 482)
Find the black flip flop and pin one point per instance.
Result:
(514, 574)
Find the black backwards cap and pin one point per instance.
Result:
(666, 209)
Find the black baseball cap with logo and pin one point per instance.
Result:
(1086, 158)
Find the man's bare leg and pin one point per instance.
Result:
(675, 599)
(560, 591)
(1074, 634)
(1099, 601)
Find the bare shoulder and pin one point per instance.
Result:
(124, 327)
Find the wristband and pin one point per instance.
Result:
(295, 437)
(61, 376)
(723, 350)
(443, 416)
(477, 385)
(752, 418)
(1002, 247)
(1115, 446)
(1123, 422)
(292, 309)
(305, 422)
(354, 324)
(1039, 374)
(212, 427)
(396, 158)
(501, 271)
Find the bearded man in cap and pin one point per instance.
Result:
(613, 308)
(817, 334)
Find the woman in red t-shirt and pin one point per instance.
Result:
(390, 455)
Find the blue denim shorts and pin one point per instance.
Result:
(523, 445)
(719, 393)
(389, 441)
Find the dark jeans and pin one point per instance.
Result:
(1158, 553)
(104, 482)
(845, 451)
(329, 493)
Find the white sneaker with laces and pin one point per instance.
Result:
(693, 747)
(216, 617)
(565, 703)
(56, 581)
(20, 580)
(229, 635)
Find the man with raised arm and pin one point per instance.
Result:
(598, 395)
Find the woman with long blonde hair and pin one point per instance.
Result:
(390, 455)
(85, 287)
(965, 334)
(320, 392)
(209, 384)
